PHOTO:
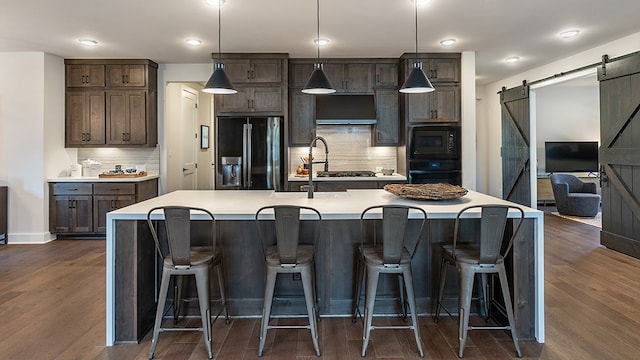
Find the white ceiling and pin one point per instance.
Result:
(494, 29)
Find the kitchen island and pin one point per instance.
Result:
(132, 268)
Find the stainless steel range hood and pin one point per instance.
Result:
(345, 110)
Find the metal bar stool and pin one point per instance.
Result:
(289, 256)
(485, 257)
(391, 253)
(181, 258)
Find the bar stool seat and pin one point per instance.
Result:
(288, 256)
(389, 253)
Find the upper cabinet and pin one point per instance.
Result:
(439, 67)
(261, 82)
(84, 75)
(386, 75)
(111, 103)
(350, 77)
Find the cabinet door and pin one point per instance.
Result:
(335, 74)
(102, 204)
(299, 74)
(267, 99)
(240, 102)
(266, 71)
(126, 75)
(238, 70)
(358, 78)
(443, 70)
(302, 125)
(84, 118)
(386, 75)
(126, 117)
(73, 214)
(84, 75)
(387, 128)
(441, 105)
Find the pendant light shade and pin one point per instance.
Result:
(417, 81)
(219, 82)
(318, 82)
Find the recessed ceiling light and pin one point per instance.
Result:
(193, 42)
(88, 42)
(569, 33)
(215, 2)
(321, 42)
(512, 59)
(447, 42)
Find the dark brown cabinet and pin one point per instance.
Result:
(386, 75)
(126, 117)
(71, 207)
(80, 208)
(302, 127)
(253, 70)
(84, 75)
(350, 77)
(85, 117)
(386, 131)
(299, 73)
(441, 105)
(121, 111)
(126, 75)
(252, 99)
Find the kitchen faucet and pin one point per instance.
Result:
(311, 162)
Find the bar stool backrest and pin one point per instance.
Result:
(287, 228)
(493, 221)
(394, 235)
(177, 221)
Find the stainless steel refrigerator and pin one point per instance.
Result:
(250, 153)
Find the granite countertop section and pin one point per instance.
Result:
(105, 179)
(378, 177)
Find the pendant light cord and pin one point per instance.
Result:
(318, 28)
(416, 22)
(219, 27)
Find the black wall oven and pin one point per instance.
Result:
(434, 155)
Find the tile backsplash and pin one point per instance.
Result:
(349, 149)
(110, 157)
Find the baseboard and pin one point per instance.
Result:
(30, 238)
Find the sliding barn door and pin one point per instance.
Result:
(620, 154)
(516, 183)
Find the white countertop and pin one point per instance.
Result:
(105, 179)
(378, 177)
(243, 204)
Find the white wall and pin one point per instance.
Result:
(490, 172)
(31, 121)
(566, 113)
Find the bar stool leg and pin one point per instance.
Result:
(443, 278)
(408, 285)
(370, 298)
(466, 290)
(309, 297)
(223, 297)
(202, 285)
(360, 275)
(162, 298)
(266, 308)
(509, 306)
(177, 297)
(484, 278)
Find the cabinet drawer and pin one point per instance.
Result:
(114, 188)
(72, 189)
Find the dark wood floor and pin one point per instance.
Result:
(52, 306)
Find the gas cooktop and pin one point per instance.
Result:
(346, 173)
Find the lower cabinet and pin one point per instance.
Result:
(80, 208)
(341, 185)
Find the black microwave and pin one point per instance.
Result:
(434, 142)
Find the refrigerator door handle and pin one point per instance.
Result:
(246, 155)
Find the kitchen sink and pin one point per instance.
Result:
(316, 195)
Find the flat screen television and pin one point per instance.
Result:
(571, 156)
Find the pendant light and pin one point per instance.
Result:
(318, 82)
(219, 83)
(417, 81)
